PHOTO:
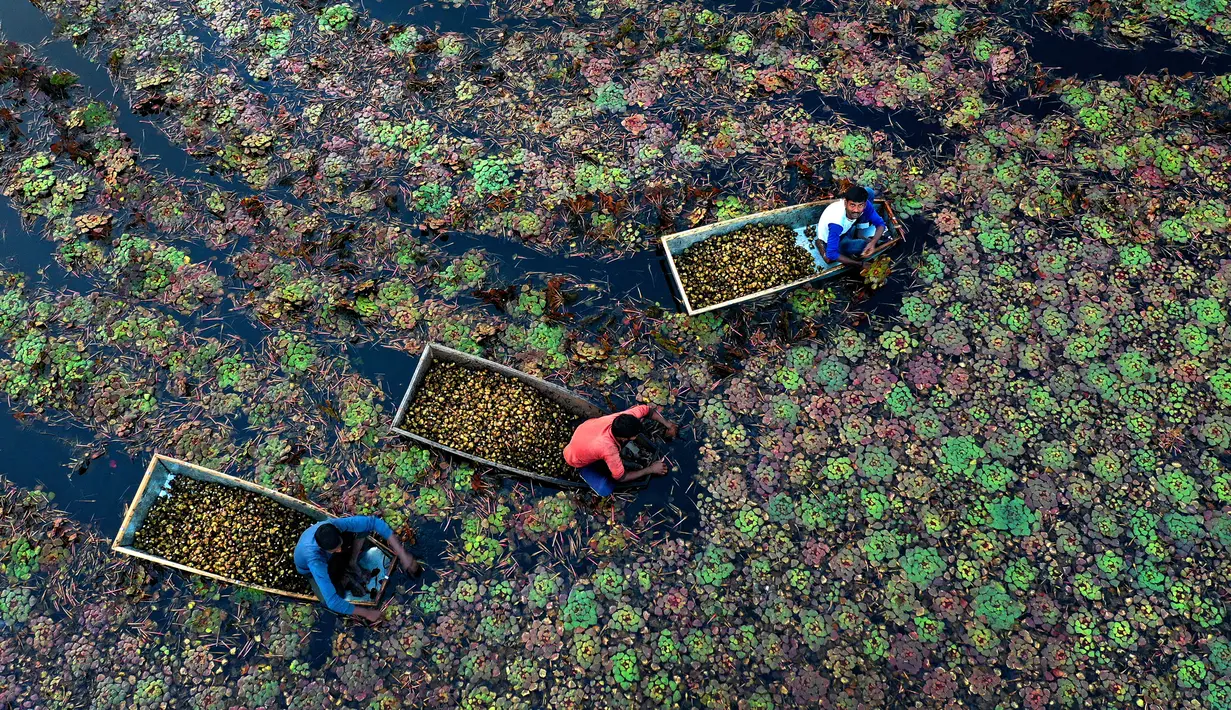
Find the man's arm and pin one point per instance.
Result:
(872, 216)
(408, 560)
(366, 524)
(363, 525)
(615, 465)
(871, 245)
(657, 468)
(671, 427)
(833, 238)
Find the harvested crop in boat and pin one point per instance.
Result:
(493, 416)
(227, 531)
(742, 262)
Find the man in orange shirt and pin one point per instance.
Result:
(595, 447)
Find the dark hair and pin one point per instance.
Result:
(855, 194)
(626, 426)
(328, 537)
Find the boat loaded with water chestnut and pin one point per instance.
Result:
(225, 546)
(515, 396)
(801, 219)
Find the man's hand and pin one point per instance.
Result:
(658, 468)
(408, 560)
(410, 564)
(871, 246)
(368, 613)
(670, 427)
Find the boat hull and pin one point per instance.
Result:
(795, 217)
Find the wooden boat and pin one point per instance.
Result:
(796, 217)
(573, 404)
(158, 476)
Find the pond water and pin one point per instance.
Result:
(954, 490)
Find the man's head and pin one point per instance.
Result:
(626, 427)
(329, 538)
(856, 198)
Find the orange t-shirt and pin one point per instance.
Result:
(593, 441)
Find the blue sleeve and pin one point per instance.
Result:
(831, 243)
(329, 594)
(363, 524)
(870, 214)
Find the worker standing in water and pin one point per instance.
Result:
(596, 445)
(328, 552)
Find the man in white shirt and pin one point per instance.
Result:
(849, 228)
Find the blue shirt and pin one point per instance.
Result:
(311, 559)
(834, 224)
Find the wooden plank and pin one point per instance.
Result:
(201, 473)
(434, 351)
(208, 474)
(564, 397)
(676, 280)
(679, 241)
(421, 368)
(133, 552)
(132, 507)
(673, 243)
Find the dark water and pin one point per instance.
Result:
(23, 252)
(22, 22)
(437, 16)
(903, 124)
(62, 463)
(1085, 58)
(61, 459)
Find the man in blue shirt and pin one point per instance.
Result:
(329, 550)
(850, 228)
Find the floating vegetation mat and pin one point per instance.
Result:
(492, 416)
(227, 531)
(1001, 481)
(748, 260)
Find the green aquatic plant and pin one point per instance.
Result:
(297, 355)
(581, 610)
(997, 607)
(960, 454)
(335, 18)
(463, 274)
(432, 198)
(1013, 515)
(922, 565)
(491, 175)
(610, 582)
(21, 559)
(626, 669)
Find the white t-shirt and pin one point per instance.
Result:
(835, 213)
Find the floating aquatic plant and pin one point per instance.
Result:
(1027, 449)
